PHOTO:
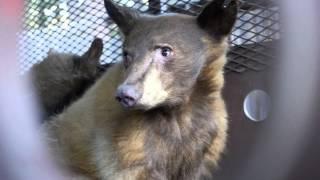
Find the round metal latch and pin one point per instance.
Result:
(256, 105)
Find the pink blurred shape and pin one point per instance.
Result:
(23, 155)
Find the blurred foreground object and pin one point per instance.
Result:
(22, 154)
(282, 143)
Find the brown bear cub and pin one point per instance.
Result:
(62, 78)
(159, 113)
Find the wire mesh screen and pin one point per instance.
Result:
(69, 26)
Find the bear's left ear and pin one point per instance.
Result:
(218, 17)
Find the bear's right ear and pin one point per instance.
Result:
(124, 17)
(95, 51)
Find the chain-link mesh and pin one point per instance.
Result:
(70, 26)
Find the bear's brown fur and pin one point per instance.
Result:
(176, 128)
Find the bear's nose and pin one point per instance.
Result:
(127, 95)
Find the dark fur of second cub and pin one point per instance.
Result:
(62, 78)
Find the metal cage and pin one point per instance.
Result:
(70, 25)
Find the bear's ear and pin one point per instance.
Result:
(218, 17)
(124, 17)
(95, 51)
(52, 52)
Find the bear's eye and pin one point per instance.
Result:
(166, 52)
(126, 59)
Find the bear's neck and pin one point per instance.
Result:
(210, 81)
